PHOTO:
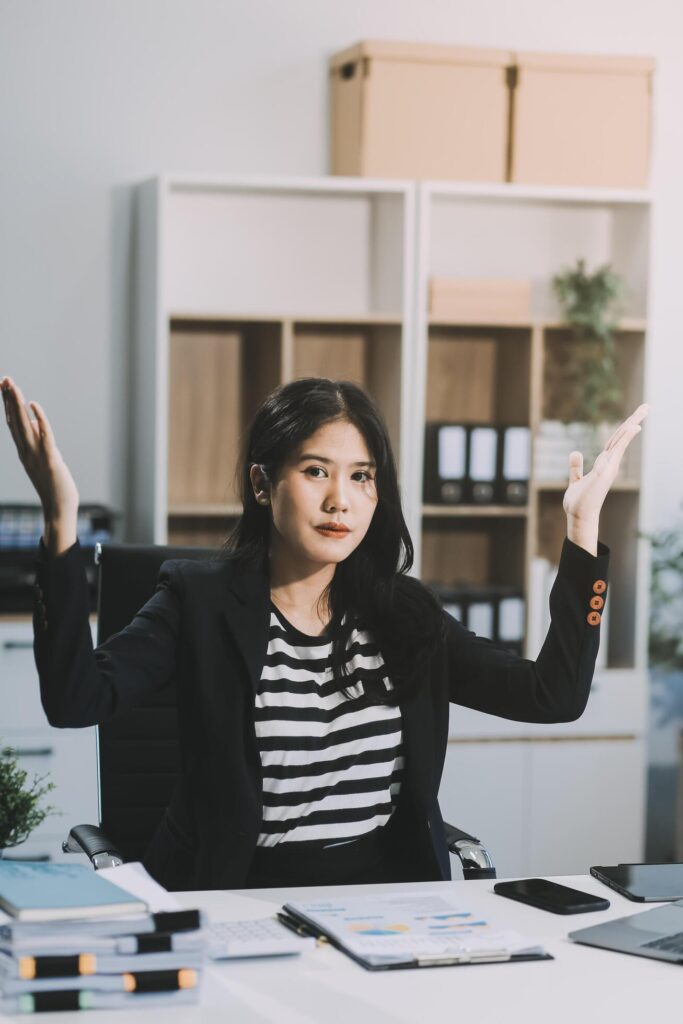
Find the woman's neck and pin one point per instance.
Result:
(298, 588)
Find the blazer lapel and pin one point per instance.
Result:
(247, 616)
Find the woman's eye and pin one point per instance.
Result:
(315, 469)
(366, 476)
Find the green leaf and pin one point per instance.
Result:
(20, 812)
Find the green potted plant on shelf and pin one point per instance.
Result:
(20, 812)
(590, 396)
(590, 304)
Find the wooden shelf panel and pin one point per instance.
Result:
(204, 511)
(636, 325)
(362, 319)
(629, 325)
(561, 485)
(474, 511)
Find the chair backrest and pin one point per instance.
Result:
(138, 748)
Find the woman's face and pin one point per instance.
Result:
(325, 496)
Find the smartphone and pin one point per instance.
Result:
(559, 899)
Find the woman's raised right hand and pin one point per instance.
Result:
(41, 457)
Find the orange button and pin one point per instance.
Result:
(597, 603)
(594, 618)
(599, 587)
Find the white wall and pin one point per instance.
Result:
(96, 96)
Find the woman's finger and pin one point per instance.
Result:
(575, 467)
(636, 418)
(44, 428)
(616, 453)
(21, 418)
(12, 415)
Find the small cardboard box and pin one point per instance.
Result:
(581, 120)
(488, 301)
(407, 110)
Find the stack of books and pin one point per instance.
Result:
(72, 940)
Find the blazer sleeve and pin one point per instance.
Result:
(555, 687)
(81, 685)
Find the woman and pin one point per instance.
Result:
(313, 675)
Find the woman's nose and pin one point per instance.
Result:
(336, 498)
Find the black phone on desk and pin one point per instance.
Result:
(558, 899)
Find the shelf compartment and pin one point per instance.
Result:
(366, 354)
(534, 233)
(474, 551)
(276, 248)
(199, 531)
(559, 349)
(219, 373)
(478, 375)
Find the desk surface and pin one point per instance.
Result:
(582, 985)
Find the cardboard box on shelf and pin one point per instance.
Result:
(416, 110)
(581, 120)
(487, 301)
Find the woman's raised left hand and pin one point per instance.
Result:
(585, 495)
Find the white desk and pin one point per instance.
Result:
(581, 986)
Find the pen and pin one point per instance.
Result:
(295, 926)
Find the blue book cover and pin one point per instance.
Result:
(36, 891)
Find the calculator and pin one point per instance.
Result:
(228, 940)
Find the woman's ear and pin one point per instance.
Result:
(260, 484)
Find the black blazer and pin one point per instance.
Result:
(207, 626)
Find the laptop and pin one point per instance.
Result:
(645, 883)
(657, 934)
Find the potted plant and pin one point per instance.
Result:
(590, 304)
(585, 395)
(20, 812)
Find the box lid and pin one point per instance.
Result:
(612, 64)
(430, 53)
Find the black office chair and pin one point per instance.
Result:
(138, 748)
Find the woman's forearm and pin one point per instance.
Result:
(59, 533)
(583, 533)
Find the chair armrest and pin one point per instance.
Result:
(474, 857)
(91, 840)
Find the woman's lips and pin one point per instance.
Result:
(328, 531)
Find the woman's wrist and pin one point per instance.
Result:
(60, 532)
(583, 533)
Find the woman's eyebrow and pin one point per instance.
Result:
(321, 458)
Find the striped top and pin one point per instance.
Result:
(332, 765)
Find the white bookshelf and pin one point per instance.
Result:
(522, 232)
(308, 258)
(321, 268)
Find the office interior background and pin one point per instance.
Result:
(96, 99)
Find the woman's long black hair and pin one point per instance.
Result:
(371, 585)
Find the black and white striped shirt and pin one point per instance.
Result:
(332, 765)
